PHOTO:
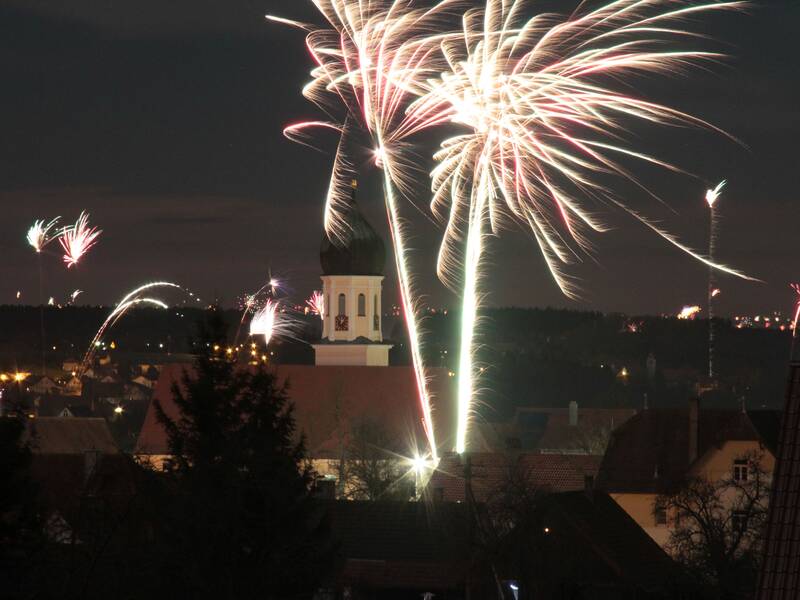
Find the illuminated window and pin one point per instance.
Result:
(740, 469)
(362, 305)
(342, 303)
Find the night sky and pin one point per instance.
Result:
(164, 120)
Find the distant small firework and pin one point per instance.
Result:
(316, 304)
(41, 233)
(19, 294)
(78, 239)
(51, 301)
(688, 313)
(264, 321)
(715, 292)
(74, 295)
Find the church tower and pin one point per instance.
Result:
(352, 281)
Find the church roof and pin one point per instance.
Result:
(357, 250)
(329, 401)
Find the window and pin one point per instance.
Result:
(362, 305)
(327, 307)
(376, 319)
(342, 305)
(740, 469)
(660, 514)
(739, 521)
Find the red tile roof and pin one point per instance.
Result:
(650, 452)
(547, 472)
(328, 399)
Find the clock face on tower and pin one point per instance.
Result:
(341, 323)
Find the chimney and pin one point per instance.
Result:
(694, 419)
(573, 413)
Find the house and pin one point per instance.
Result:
(657, 450)
(400, 549)
(76, 465)
(70, 365)
(144, 381)
(589, 548)
(43, 385)
(557, 430)
(490, 472)
(578, 545)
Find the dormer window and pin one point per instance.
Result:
(741, 469)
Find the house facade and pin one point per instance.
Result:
(658, 450)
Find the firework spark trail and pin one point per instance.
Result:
(796, 288)
(712, 195)
(131, 299)
(78, 239)
(39, 235)
(265, 321)
(538, 98)
(365, 64)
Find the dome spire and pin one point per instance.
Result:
(360, 251)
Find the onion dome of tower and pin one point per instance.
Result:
(358, 251)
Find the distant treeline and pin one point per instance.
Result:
(531, 356)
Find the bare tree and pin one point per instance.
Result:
(719, 527)
(371, 469)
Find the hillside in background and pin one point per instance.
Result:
(531, 357)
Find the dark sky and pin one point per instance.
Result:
(164, 119)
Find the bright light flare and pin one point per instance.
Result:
(715, 292)
(78, 239)
(41, 233)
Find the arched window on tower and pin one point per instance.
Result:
(327, 306)
(376, 319)
(341, 323)
(362, 305)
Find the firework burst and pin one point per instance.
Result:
(78, 239)
(543, 103)
(41, 233)
(316, 304)
(364, 64)
(265, 320)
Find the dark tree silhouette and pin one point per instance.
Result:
(719, 527)
(238, 521)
